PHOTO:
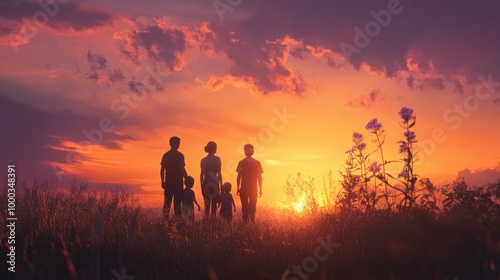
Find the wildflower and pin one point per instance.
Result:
(403, 174)
(375, 167)
(351, 150)
(357, 137)
(410, 135)
(361, 146)
(406, 114)
(374, 126)
(403, 147)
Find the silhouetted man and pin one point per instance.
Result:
(249, 178)
(172, 173)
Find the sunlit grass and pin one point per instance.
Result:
(87, 234)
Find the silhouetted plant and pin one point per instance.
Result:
(373, 175)
(362, 179)
(367, 194)
(349, 195)
(428, 200)
(301, 193)
(376, 128)
(473, 203)
(329, 192)
(87, 233)
(494, 188)
(409, 178)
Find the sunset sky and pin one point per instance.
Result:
(93, 90)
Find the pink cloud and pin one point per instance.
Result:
(480, 177)
(450, 45)
(264, 64)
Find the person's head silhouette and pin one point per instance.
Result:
(226, 187)
(211, 147)
(248, 148)
(175, 142)
(189, 182)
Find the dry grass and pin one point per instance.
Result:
(86, 235)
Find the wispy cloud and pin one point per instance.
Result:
(98, 70)
(365, 100)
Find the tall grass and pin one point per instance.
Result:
(85, 234)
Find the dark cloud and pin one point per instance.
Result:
(56, 15)
(97, 62)
(98, 70)
(458, 86)
(159, 44)
(116, 75)
(480, 177)
(263, 62)
(37, 138)
(100, 73)
(443, 39)
(434, 83)
(22, 20)
(6, 29)
(139, 88)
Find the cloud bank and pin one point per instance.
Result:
(427, 44)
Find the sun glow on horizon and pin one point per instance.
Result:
(299, 207)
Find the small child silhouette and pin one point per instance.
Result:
(225, 202)
(188, 200)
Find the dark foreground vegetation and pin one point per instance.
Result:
(89, 235)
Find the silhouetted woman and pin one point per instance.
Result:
(211, 179)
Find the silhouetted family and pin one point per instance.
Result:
(216, 195)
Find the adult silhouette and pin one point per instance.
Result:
(172, 173)
(211, 179)
(249, 178)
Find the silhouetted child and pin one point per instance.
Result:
(188, 200)
(225, 202)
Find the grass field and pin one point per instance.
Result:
(88, 235)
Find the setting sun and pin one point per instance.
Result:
(299, 206)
